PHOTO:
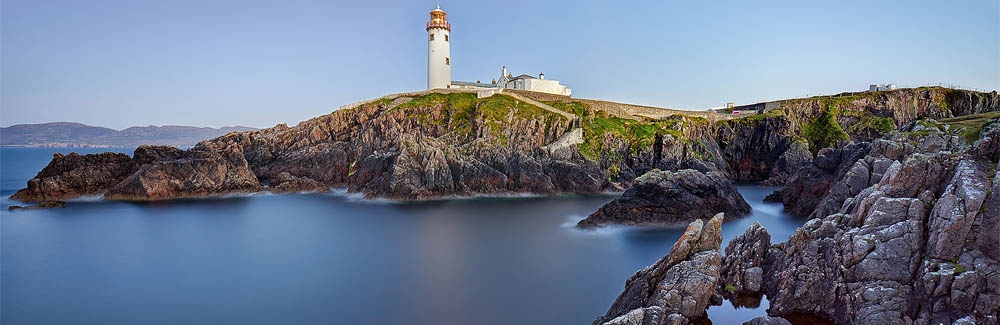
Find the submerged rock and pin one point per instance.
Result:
(665, 198)
(41, 205)
(677, 288)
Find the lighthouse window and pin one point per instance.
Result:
(447, 61)
(445, 37)
(432, 37)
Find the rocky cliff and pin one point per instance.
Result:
(907, 234)
(443, 144)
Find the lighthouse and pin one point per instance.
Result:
(438, 50)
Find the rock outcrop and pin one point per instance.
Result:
(813, 180)
(665, 198)
(743, 264)
(913, 242)
(450, 143)
(768, 320)
(204, 170)
(73, 175)
(678, 287)
(761, 150)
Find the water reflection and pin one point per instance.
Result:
(328, 257)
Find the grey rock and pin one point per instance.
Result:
(665, 198)
(768, 320)
(681, 283)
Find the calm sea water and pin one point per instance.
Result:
(324, 258)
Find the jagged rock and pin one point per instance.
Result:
(207, 169)
(768, 320)
(681, 283)
(752, 149)
(287, 183)
(956, 210)
(666, 198)
(74, 175)
(40, 205)
(813, 181)
(987, 147)
(447, 144)
(144, 155)
(906, 248)
(742, 266)
(990, 224)
(791, 160)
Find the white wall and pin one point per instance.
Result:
(438, 72)
(545, 86)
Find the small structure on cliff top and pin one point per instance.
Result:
(439, 64)
(881, 87)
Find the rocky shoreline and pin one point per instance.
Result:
(449, 144)
(906, 231)
(899, 188)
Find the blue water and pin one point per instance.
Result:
(323, 258)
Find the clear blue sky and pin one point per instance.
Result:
(119, 63)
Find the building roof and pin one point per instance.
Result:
(525, 76)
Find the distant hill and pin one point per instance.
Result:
(67, 134)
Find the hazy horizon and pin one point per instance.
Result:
(259, 64)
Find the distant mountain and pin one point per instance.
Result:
(67, 134)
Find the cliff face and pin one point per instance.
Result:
(454, 144)
(905, 235)
(902, 105)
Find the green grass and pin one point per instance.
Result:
(973, 124)
(639, 134)
(880, 124)
(575, 108)
(731, 288)
(959, 269)
(824, 131)
(460, 110)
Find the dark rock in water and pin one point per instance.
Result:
(744, 262)
(74, 175)
(678, 287)
(41, 205)
(768, 320)
(666, 198)
(811, 183)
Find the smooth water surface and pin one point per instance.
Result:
(324, 258)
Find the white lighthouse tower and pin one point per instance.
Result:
(438, 50)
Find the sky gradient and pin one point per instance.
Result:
(120, 63)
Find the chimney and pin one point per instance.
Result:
(503, 71)
(541, 75)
